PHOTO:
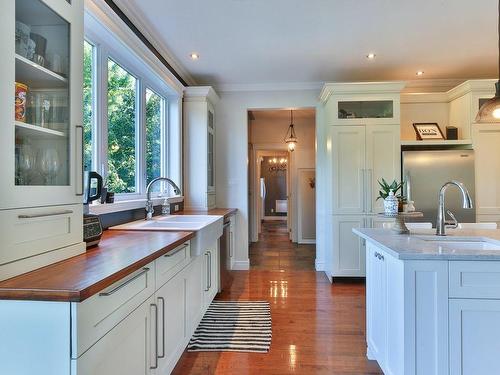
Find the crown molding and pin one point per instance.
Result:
(478, 86)
(284, 86)
(138, 20)
(343, 88)
(197, 93)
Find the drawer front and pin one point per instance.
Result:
(33, 231)
(94, 317)
(475, 279)
(171, 263)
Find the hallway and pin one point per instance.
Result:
(275, 251)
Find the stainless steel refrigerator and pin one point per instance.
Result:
(426, 171)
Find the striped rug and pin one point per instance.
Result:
(234, 326)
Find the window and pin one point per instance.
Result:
(122, 94)
(132, 114)
(88, 103)
(154, 120)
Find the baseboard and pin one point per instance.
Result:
(319, 266)
(307, 242)
(241, 265)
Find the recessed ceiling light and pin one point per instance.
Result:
(370, 56)
(194, 56)
(420, 73)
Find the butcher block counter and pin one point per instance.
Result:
(119, 254)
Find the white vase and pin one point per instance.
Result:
(391, 204)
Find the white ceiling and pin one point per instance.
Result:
(284, 41)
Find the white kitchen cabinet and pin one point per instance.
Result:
(376, 304)
(194, 294)
(348, 249)
(199, 147)
(41, 148)
(171, 302)
(486, 138)
(407, 313)
(348, 166)
(383, 160)
(474, 333)
(41, 140)
(210, 273)
(128, 349)
(362, 155)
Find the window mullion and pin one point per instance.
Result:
(141, 138)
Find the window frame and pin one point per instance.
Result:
(145, 79)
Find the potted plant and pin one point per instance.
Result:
(385, 192)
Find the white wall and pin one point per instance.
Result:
(232, 149)
(270, 129)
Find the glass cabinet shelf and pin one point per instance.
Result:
(37, 76)
(35, 131)
(365, 109)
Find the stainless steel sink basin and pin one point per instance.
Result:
(208, 228)
(463, 244)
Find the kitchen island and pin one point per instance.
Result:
(433, 302)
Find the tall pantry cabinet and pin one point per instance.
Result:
(363, 146)
(41, 140)
(199, 147)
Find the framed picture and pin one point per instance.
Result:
(427, 131)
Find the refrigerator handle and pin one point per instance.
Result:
(407, 180)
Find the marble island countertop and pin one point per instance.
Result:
(458, 244)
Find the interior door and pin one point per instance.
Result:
(383, 160)
(348, 164)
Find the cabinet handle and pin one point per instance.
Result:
(156, 335)
(162, 327)
(210, 270)
(54, 213)
(369, 189)
(362, 178)
(379, 256)
(231, 243)
(114, 290)
(172, 253)
(207, 287)
(79, 160)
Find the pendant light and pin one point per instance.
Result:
(290, 137)
(490, 111)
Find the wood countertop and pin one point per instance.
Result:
(226, 212)
(119, 254)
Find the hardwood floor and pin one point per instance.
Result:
(274, 251)
(318, 328)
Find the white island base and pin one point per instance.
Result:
(432, 308)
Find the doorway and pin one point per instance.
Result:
(281, 195)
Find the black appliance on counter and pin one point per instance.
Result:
(92, 228)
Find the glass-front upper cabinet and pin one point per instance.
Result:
(211, 152)
(42, 102)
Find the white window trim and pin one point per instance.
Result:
(147, 77)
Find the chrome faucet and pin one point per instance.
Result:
(149, 202)
(441, 216)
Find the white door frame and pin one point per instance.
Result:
(261, 150)
(301, 240)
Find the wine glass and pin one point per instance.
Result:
(49, 164)
(26, 163)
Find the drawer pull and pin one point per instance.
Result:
(172, 253)
(114, 290)
(155, 366)
(54, 213)
(162, 326)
